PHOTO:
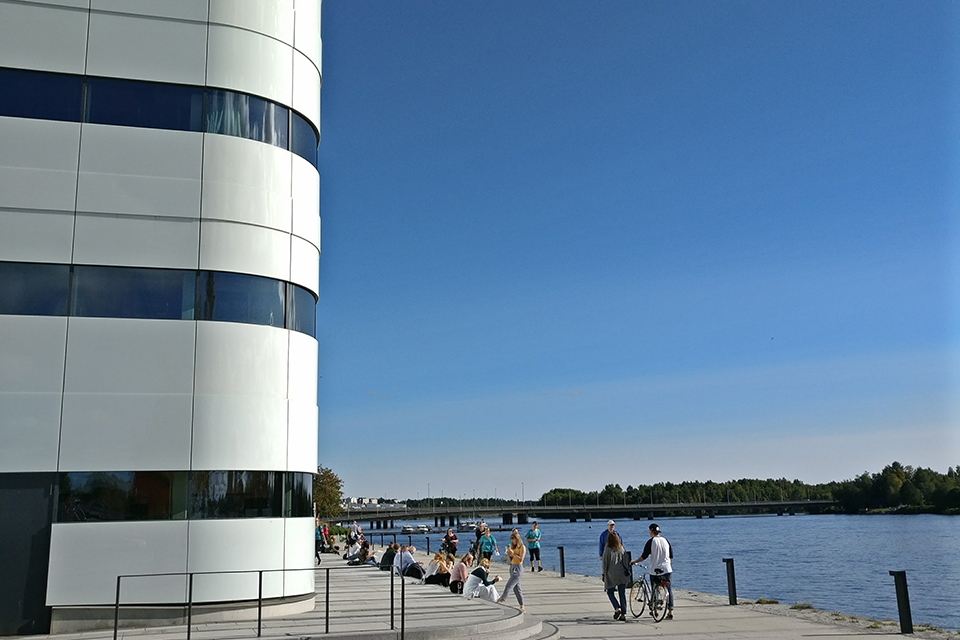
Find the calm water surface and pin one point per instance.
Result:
(834, 562)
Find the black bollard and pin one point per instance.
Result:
(428, 544)
(563, 571)
(903, 601)
(630, 564)
(731, 581)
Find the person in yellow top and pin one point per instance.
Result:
(515, 554)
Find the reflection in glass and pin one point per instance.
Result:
(127, 292)
(122, 495)
(236, 114)
(236, 494)
(303, 138)
(153, 105)
(298, 495)
(302, 311)
(31, 289)
(41, 95)
(235, 297)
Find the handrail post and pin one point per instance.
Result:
(116, 611)
(903, 601)
(392, 625)
(189, 604)
(563, 571)
(326, 612)
(259, 602)
(403, 606)
(731, 581)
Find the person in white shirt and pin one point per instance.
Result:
(661, 568)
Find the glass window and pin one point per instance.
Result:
(236, 114)
(154, 105)
(304, 140)
(302, 312)
(36, 94)
(122, 495)
(298, 497)
(127, 292)
(234, 297)
(29, 289)
(236, 494)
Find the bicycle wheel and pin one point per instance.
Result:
(658, 603)
(638, 598)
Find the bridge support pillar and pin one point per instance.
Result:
(650, 516)
(573, 518)
(712, 514)
(436, 522)
(792, 512)
(636, 516)
(588, 517)
(699, 514)
(779, 512)
(507, 518)
(522, 518)
(371, 524)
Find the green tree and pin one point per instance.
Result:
(327, 493)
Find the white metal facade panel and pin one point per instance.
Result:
(40, 37)
(36, 236)
(302, 437)
(178, 9)
(303, 368)
(243, 248)
(31, 383)
(126, 355)
(299, 536)
(306, 88)
(127, 397)
(246, 181)
(306, 201)
(38, 164)
(140, 171)
(237, 545)
(249, 62)
(146, 48)
(87, 557)
(239, 432)
(269, 17)
(241, 360)
(304, 264)
(307, 30)
(133, 241)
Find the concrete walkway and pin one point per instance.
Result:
(570, 607)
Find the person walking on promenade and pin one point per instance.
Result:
(661, 567)
(603, 536)
(515, 553)
(449, 542)
(616, 575)
(532, 538)
(488, 544)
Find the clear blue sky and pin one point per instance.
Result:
(579, 243)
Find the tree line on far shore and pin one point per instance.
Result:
(897, 487)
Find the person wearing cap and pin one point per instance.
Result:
(607, 532)
(661, 568)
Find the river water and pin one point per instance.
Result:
(834, 562)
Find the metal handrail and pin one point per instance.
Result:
(260, 572)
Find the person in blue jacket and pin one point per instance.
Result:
(603, 536)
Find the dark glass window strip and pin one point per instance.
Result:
(110, 496)
(155, 105)
(37, 289)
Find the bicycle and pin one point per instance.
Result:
(643, 594)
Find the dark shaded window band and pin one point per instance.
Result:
(111, 496)
(155, 105)
(36, 289)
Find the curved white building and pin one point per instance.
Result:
(159, 255)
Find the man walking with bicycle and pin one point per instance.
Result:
(660, 553)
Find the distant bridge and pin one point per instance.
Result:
(383, 517)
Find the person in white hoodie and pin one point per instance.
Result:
(661, 568)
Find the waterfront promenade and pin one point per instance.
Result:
(569, 607)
